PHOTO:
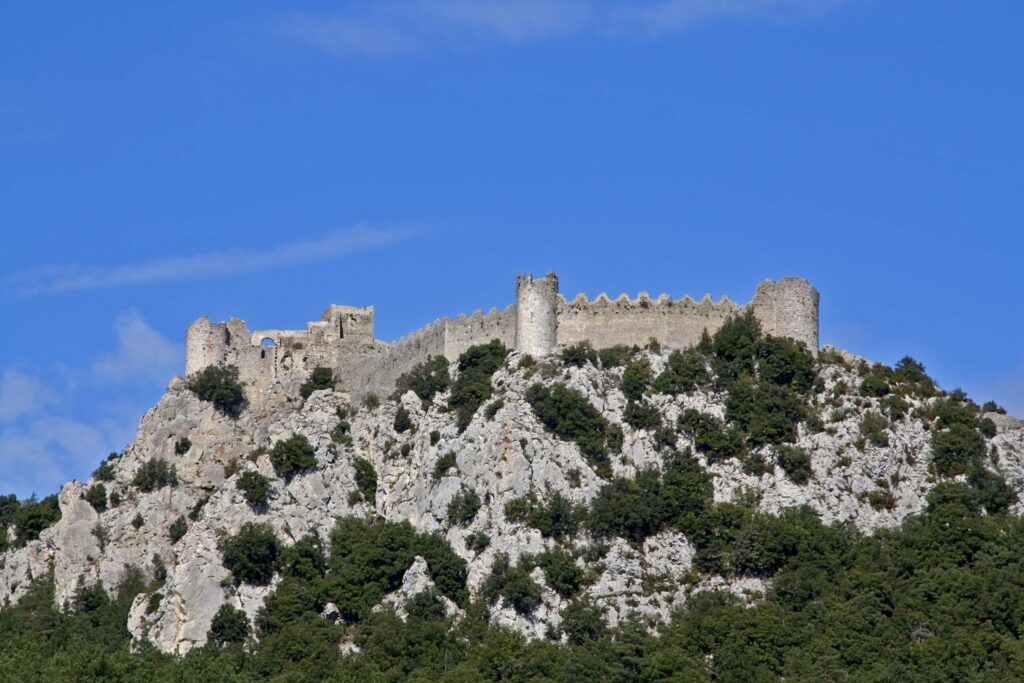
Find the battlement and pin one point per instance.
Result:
(539, 322)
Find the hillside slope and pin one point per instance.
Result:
(630, 480)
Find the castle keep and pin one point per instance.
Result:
(540, 322)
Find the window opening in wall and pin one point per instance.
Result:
(341, 328)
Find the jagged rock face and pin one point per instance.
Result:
(500, 458)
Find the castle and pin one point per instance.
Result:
(539, 322)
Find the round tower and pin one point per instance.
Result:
(537, 314)
(789, 308)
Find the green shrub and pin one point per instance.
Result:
(304, 559)
(613, 440)
(518, 510)
(427, 379)
(795, 462)
(29, 518)
(233, 467)
(197, 510)
(320, 378)
(366, 478)
(341, 434)
(873, 427)
(636, 378)
(177, 530)
(642, 415)
(369, 558)
(881, 499)
(569, 415)
(292, 456)
(579, 355)
(155, 474)
(477, 541)
(895, 407)
(230, 626)
(913, 379)
(105, 472)
(219, 385)
(994, 494)
(182, 445)
(159, 569)
(403, 422)
(252, 554)
(644, 505)
(371, 401)
(443, 464)
(138, 521)
(558, 518)
(755, 464)
(684, 373)
(463, 506)
(710, 436)
(493, 407)
(473, 385)
(876, 383)
(616, 356)
(734, 346)
(96, 495)
(561, 573)
(993, 407)
(511, 583)
(767, 412)
(950, 411)
(255, 487)
(583, 623)
(954, 449)
(435, 436)
(785, 362)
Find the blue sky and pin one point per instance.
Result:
(259, 159)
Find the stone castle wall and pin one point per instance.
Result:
(540, 322)
(676, 323)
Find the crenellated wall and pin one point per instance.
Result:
(466, 331)
(540, 322)
(676, 323)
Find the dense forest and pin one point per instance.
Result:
(940, 599)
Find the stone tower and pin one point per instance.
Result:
(537, 314)
(788, 308)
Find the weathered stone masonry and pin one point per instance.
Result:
(539, 323)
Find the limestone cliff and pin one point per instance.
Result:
(503, 455)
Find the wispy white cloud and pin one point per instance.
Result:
(22, 394)
(54, 279)
(386, 29)
(143, 354)
(39, 455)
(53, 431)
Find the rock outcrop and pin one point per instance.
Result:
(501, 457)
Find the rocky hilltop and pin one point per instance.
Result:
(611, 462)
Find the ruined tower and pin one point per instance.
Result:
(537, 314)
(788, 308)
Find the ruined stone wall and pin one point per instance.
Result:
(676, 323)
(466, 331)
(399, 357)
(539, 323)
(786, 308)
